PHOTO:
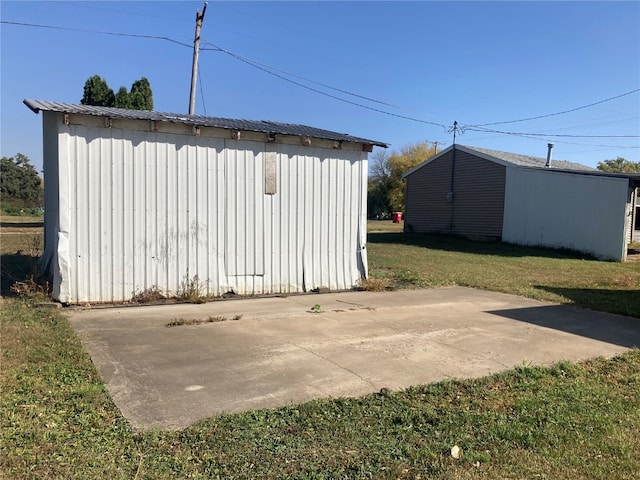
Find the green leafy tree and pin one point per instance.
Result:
(386, 187)
(141, 96)
(97, 92)
(619, 165)
(20, 183)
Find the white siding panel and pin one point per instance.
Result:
(142, 209)
(244, 212)
(580, 212)
(631, 206)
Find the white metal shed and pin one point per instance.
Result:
(136, 200)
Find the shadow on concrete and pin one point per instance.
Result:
(456, 243)
(613, 329)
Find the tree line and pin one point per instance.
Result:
(20, 185)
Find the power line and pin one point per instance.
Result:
(259, 67)
(560, 113)
(270, 67)
(119, 34)
(524, 135)
(204, 107)
(559, 135)
(247, 61)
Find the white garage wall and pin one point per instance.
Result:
(581, 212)
(138, 209)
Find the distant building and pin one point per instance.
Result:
(490, 195)
(139, 200)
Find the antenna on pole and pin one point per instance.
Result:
(194, 66)
(455, 130)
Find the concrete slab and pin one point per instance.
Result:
(281, 352)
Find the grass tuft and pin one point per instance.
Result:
(376, 284)
(177, 322)
(192, 290)
(149, 295)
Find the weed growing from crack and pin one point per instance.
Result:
(178, 322)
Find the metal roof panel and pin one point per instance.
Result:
(262, 126)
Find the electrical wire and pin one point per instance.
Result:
(204, 107)
(259, 67)
(559, 135)
(560, 113)
(524, 135)
(272, 71)
(270, 67)
(253, 63)
(135, 35)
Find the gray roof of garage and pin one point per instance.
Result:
(262, 126)
(529, 161)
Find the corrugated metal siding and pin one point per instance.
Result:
(563, 210)
(632, 215)
(476, 209)
(146, 209)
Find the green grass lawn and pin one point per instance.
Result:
(569, 421)
(564, 422)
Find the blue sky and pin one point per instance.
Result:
(438, 62)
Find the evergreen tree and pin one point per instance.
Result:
(97, 92)
(141, 96)
(122, 99)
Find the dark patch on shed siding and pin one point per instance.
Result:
(478, 199)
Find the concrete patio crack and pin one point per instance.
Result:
(334, 363)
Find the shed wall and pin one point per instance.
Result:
(474, 209)
(49, 258)
(144, 209)
(561, 210)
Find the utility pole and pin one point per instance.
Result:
(434, 145)
(194, 67)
